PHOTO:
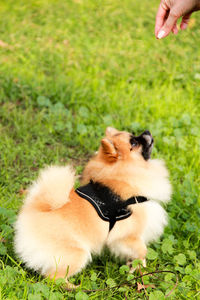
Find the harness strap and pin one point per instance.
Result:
(109, 206)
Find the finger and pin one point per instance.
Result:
(168, 25)
(160, 18)
(185, 21)
(175, 29)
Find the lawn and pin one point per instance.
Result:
(69, 69)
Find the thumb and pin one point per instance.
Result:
(168, 25)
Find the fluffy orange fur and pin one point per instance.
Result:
(57, 231)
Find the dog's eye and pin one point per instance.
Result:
(133, 142)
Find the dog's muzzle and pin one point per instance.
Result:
(146, 140)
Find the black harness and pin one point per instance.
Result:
(109, 206)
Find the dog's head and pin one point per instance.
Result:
(121, 145)
(123, 164)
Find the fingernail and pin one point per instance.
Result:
(161, 34)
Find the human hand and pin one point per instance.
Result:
(170, 11)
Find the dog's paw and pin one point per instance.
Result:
(70, 286)
(133, 269)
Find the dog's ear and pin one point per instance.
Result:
(110, 131)
(108, 150)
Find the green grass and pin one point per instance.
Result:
(68, 70)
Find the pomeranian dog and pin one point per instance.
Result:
(117, 205)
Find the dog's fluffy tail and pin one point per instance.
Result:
(51, 190)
